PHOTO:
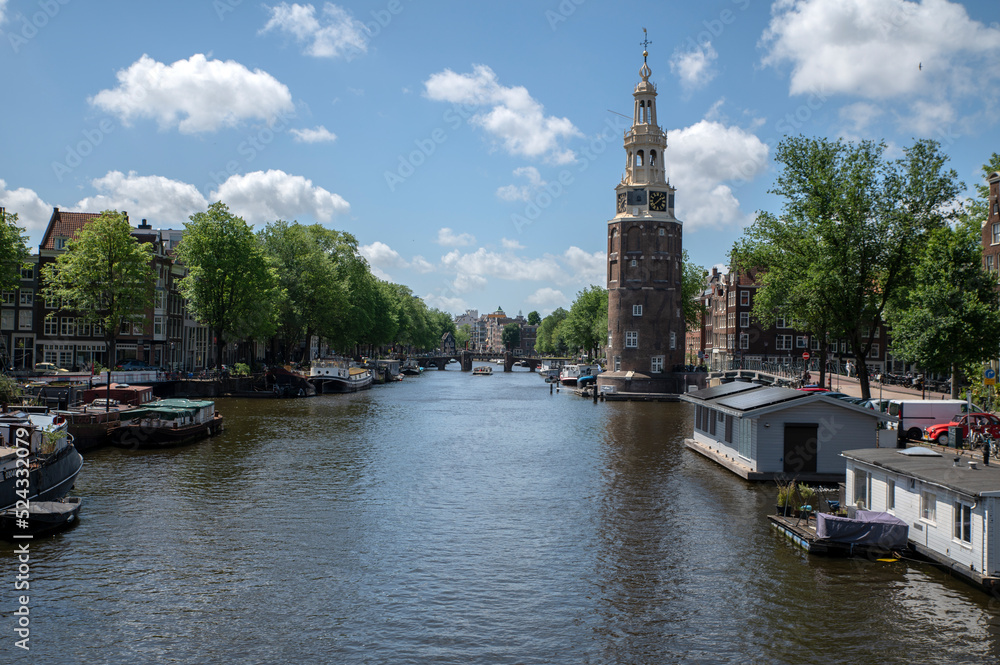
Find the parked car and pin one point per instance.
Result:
(132, 365)
(980, 422)
(48, 368)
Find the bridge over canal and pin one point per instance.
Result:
(466, 358)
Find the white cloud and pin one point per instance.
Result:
(694, 68)
(317, 135)
(264, 196)
(3, 11)
(587, 267)
(333, 34)
(446, 303)
(448, 238)
(33, 214)
(510, 244)
(381, 257)
(503, 266)
(522, 192)
(421, 265)
(860, 116)
(513, 117)
(547, 299)
(155, 198)
(195, 95)
(467, 283)
(703, 159)
(927, 51)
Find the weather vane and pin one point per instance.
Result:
(644, 43)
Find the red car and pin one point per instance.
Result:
(980, 422)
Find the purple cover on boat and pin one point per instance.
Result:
(868, 527)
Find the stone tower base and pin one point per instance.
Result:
(666, 383)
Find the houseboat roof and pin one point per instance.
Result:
(746, 399)
(938, 469)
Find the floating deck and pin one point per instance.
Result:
(802, 532)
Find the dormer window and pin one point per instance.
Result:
(60, 243)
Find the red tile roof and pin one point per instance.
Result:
(64, 225)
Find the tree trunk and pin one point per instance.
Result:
(220, 344)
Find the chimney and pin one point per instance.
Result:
(144, 225)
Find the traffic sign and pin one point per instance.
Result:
(805, 355)
(989, 377)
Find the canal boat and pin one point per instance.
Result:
(167, 423)
(52, 461)
(411, 367)
(482, 370)
(41, 518)
(339, 375)
(570, 374)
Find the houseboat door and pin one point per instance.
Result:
(800, 448)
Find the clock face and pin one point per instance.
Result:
(637, 197)
(657, 201)
(621, 202)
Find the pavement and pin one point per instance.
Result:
(852, 386)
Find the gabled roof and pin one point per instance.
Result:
(64, 224)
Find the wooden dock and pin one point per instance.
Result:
(802, 532)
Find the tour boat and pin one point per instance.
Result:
(571, 373)
(482, 370)
(168, 422)
(51, 459)
(337, 375)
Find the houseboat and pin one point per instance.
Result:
(90, 423)
(53, 462)
(411, 367)
(167, 423)
(339, 375)
(482, 370)
(950, 501)
(768, 432)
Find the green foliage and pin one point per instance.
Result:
(550, 338)
(230, 286)
(844, 246)
(14, 252)
(10, 390)
(463, 335)
(511, 335)
(586, 327)
(241, 369)
(534, 318)
(105, 277)
(692, 284)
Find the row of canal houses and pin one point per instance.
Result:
(950, 501)
(34, 331)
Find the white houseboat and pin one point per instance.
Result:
(765, 432)
(950, 501)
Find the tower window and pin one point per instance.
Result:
(632, 339)
(652, 158)
(636, 310)
(634, 263)
(663, 232)
(673, 340)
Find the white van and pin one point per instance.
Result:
(916, 415)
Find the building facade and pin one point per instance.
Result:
(646, 327)
(991, 228)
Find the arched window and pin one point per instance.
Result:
(639, 157)
(634, 239)
(652, 158)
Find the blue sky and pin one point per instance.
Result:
(471, 148)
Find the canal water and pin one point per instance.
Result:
(453, 518)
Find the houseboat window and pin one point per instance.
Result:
(729, 429)
(890, 495)
(928, 506)
(963, 522)
(711, 424)
(861, 480)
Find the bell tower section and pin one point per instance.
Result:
(645, 314)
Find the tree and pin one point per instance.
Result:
(586, 327)
(105, 277)
(950, 315)
(463, 335)
(692, 284)
(851, 230)
(549, 339)
(511, 335)
(534, 318)
(230, 286)
(14, 253)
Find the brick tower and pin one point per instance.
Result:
(645, 316)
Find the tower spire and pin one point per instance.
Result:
(645, 71)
